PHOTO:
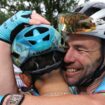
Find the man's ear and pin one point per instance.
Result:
(26, 79)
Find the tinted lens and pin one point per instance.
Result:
(75, 23)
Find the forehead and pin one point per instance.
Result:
(83, 39)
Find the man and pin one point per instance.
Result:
(84, 60)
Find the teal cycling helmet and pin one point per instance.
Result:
(38, 49)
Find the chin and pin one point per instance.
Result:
(72, 82)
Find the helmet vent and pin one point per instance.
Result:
(91, 11)
(42, 29)
(78, 9)
(103, 18)
(62, 41)
(33, 42)
(30, 33)
(46, 38)
(15, 54)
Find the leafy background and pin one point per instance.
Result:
(50, 9)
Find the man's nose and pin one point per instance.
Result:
(70, 55)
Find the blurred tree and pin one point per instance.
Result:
(2, 17)
(50, 9)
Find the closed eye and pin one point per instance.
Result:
(81, 48)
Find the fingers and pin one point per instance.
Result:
(38, 19)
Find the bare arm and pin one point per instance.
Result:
(54, 83)
(62, 99)
(7, 79)
(65, 100)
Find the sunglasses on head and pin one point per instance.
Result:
(75, 23)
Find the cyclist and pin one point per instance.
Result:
(84, 60)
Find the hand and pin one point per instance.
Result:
(17, 22)
(37, 19)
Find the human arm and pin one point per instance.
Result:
(49, 87)
(96, 99)
(91, 99)
(53, 93)
(7, 79)
(54, 84)
(65, 100)
(57, 98)
(13, 25)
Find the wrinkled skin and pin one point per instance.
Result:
(82, 59)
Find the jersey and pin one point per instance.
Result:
(101, 87)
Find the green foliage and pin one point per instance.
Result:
(3, 17)
(57, 6)
(52, 7)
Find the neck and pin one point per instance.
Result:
(50, 83)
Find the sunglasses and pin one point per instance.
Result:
(75, 23)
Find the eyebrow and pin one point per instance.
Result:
(85, 48)
(80, 46)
